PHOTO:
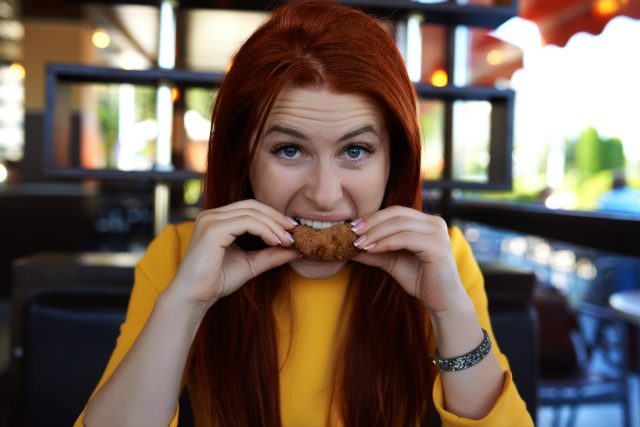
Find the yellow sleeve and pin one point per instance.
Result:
(509, 409)
(153, 273)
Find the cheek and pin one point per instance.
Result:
(367, 189)
(272, 185)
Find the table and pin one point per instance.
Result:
(626, 304)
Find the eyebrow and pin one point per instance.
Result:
(300, 135)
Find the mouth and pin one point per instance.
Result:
(319, 225)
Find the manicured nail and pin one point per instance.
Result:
(356, 221)
(277, 239)
(371, 246)
(360, 240)
(291, 221)
(357, 226)
(289, 237)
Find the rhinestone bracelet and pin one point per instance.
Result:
(466, 361)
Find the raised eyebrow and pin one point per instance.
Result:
(288, 131)
(297, 134)
(359, 131)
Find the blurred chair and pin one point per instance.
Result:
(583, 357)
(67, 309)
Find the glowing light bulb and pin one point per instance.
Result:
(495, 57)
(17, 71)
(100, 39)
(439, 78)
(605, 7)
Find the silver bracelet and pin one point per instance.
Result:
(466, 361)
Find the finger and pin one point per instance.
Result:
(285, 221)
(269, 258)
(404, 240)
(425, 232)
(225, 232)
(283, 237)
(407, 241)
(393, 214)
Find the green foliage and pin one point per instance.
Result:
(587, 154)
(108, 115)
(145, 102)
(591, 163)
(591, 190)
(612, 155)
(591, 154)
(200, 100)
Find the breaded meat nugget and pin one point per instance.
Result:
(329, 244)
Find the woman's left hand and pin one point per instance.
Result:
(414, 248)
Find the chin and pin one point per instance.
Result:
(316, 269)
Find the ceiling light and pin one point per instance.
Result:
(495, 57)
(439, 78)
(17, 71)
(605, 7)
(101, 39)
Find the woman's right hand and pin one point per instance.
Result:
(214, 266)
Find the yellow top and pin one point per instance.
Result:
(318, 306)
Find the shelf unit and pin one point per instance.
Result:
(58, 74)
(449, 14)
(445, 12)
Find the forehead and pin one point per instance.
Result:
(314, 108)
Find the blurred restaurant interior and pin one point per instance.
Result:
(531, 145)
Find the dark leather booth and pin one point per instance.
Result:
(67, 309)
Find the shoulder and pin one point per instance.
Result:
(172, 241)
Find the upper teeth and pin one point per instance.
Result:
(318, 224)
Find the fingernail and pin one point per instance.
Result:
(291, 221)
(358, 226)
(289, 237)
(359, 240)
(278, 239)
(356, 221)
(371, 246)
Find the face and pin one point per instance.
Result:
(323, 156)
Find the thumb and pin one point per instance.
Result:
(266, 259)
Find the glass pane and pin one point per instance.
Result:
(105, 126)
(433, 55)
(431, 115)
(471, 130)
(213, 36)
(11, 113)
(197, 126)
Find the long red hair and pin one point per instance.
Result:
(382, 376)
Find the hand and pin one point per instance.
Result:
(414, 248)
(213, 266)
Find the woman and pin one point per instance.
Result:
(316, 121)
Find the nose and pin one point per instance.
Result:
(324, 187)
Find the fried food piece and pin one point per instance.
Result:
(330, 244)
